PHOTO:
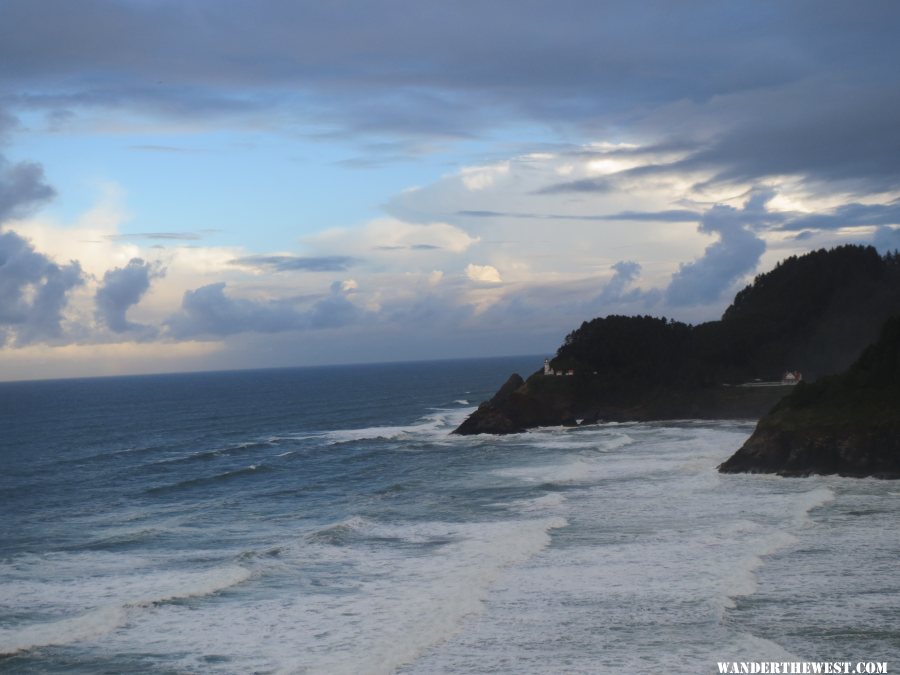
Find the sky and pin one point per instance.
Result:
(216, 184)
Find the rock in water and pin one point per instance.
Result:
(847, 424)
(490, 418)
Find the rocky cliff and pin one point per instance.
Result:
(847, 424)
(814, 313)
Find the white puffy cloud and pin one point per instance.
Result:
(477, 178)
(394, 238)
(486, 253)
(483, 273)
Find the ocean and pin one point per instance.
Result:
(323, 520)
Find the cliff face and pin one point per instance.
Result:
(555, 401)
(814, 313)
(518, 405)
(847, 424)
(848, 451)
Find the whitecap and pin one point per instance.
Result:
(101, 620)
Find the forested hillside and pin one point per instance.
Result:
(847, 423)
(813, 313)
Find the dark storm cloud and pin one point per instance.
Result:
(847, 215)
(209, 313)
(121, 289)
(804, 236)
(33, 292)
(733, 256)
(290, 263)
(616, 289)
(590, 185)
(626, 271)
(751, 89)
(850, 134)
(668, 216)
(22, 188)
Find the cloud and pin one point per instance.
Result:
(394, 235)
(208, 313)
(122, 288)
(588, 185)
(847, 215)
(800, 97)
(483, 177)
(22, 188)
(756, 89)
(832, 130)
(33, 292)
(291, 263)
(177, 236)
(734, 255)
(483, 273)
(669, 216)
(625, 272)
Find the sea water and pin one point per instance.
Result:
(324, 520)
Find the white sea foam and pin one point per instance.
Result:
(576, 469)
(748, 647)
(90, 625)
(121, 597)
(809, 501)
(548, 502)
(655, 569)
(434, 594)
(749, 548)
(660, 543)
(388, 605)
(436, 424)
(370, 433)
(584, 440)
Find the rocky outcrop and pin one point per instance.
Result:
(845, 450)
(517, 406)
(490, 418)
(566, 401)
(814, 313)
(847, 424)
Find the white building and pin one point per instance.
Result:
(792, 377)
